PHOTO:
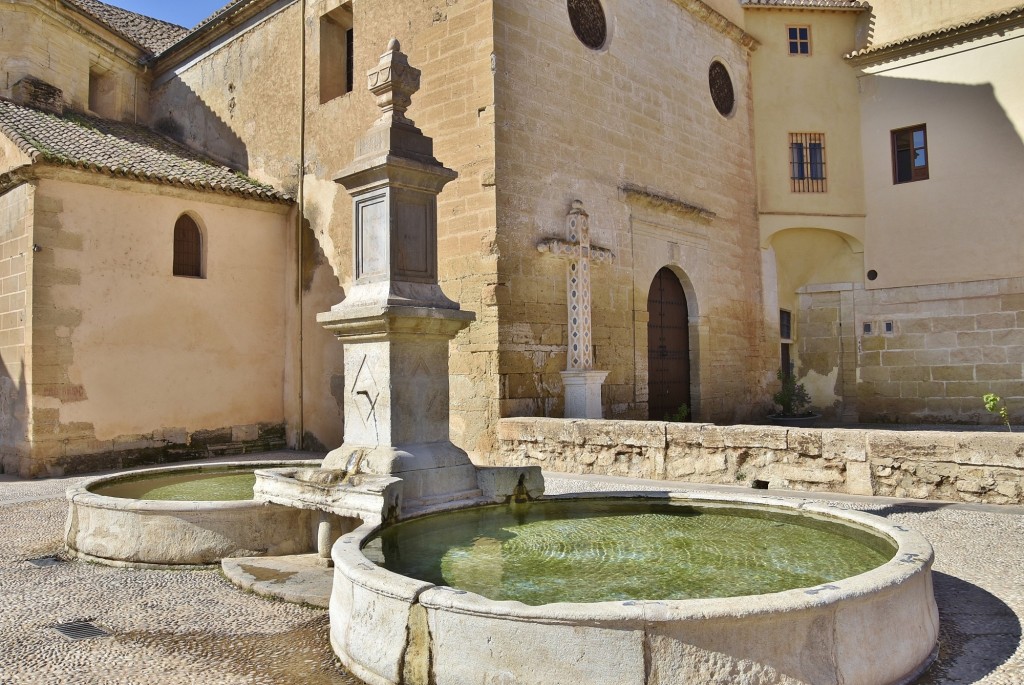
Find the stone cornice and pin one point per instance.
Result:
(963, 32)
(719, 22)
(636, 193)
(77, 21)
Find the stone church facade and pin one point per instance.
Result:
(645, 118)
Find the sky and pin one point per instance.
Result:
(185, 13)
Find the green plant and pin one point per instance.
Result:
(680, 414)
(792, 397)
(994, 404)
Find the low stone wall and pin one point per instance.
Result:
(959, 466)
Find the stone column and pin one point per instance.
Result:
(582, 382)
(395, 321)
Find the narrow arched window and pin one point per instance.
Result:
(188, 248)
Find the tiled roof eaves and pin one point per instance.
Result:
(942, 37)
(149, 34)
(830, 5)
(39, 152)
(232, 13)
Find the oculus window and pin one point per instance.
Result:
(720, 85)
(588, 22)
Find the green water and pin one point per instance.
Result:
(201, 486)
(593, 551)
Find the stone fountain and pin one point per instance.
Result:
(397, 458)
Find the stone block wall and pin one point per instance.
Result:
(931, 354)
(16, 212)
(957, 466)
(631, 131)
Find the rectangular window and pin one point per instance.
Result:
(799, 40)
(786, 333)
(336, 53)
(807, 162)
(909, 154)
(103, 93)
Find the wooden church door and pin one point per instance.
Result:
(668, 347)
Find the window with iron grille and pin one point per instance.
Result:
(909, 154)
(799, 40)
(786, 334)
(337, 43)
(188, 248)
(807, 162)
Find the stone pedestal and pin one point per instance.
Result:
(583, 393)
(396, 322)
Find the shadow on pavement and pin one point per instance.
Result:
(977, 632)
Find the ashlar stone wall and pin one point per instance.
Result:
(957, 466)
(16, 216)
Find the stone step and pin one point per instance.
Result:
(297, 578)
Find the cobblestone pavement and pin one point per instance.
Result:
(195, 627)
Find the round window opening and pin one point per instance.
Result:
(722, 93)
(588, 22)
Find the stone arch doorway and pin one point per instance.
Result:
(668, 347)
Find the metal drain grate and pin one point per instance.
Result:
(44, 562)
(80, 630)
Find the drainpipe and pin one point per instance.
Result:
(300, 214)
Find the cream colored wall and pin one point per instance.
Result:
(16, 214)
(56, 45)
(961, 224)
(574, 123)
(242, 100)
(121, 348)
(895, 19)
(806, 94)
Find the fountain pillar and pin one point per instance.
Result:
(395, 321)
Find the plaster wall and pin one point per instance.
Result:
(575, 123)
(895, 19)
(16, 216)
(242, 97)
(958, 224)
(815, 93)
(127, 356)
(60, 47)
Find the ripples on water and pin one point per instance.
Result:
(587, 551)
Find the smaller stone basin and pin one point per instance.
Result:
(183, 516)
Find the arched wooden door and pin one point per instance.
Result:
(668, 347)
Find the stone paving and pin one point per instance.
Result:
(195, 627)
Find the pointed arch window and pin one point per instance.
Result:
(188, 248)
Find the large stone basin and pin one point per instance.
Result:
(875, 628)
(152, 533)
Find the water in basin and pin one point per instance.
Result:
(592, 551)
(201, 486)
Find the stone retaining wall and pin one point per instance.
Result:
(960, 466)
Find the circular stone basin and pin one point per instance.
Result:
(190, 486)
(682, 588)
(605, 550)
(183, 516)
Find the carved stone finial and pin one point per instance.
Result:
(394, 81)
(577, 207)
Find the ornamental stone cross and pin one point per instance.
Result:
(582, 382)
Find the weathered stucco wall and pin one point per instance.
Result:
(968, 466)
(127, 358)
(244, 101)
(16, 212)
(895, 19)
(61, 46)
(598, 125)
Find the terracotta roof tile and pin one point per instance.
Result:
(922, 40)
(151, 34)
(809, 4)
(121, 149)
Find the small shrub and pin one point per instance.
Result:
(680, 415)
(792, 397)
(994, 404)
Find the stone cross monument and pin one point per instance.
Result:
(395, 321)
(582, 382)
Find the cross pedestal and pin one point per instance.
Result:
(581, 381)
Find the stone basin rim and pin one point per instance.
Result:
(82, 493)
(914, 555)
